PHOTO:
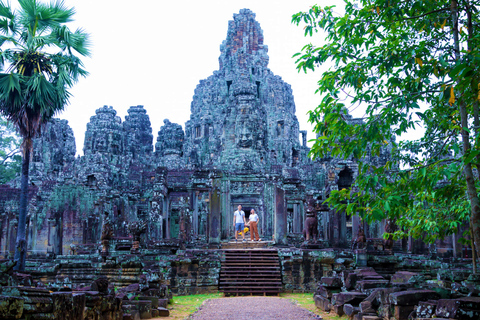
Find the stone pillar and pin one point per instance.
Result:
(166, 210)
(215, 217)
(280, 217)
(195, 195)
(343, 228)
(304, 137)
(297, 219)
(355, 225)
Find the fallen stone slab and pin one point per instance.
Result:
(326, 293)
(401, 312)
(322, 303)
(367, 307)
(412, 297)
(331, 282)
(426, 309)
(338, 310)
(350, 310)
(353, 298)
(366, 286)
(163, 303)
(461, 308)
(402, 277)
(163, 312)
(11, 307)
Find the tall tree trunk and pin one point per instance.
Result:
(467, 169)
(21, 243)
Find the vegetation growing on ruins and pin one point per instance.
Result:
(10, 158)
(413, 66)
(38, 64)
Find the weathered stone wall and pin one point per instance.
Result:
(302, 269)
(193, 272)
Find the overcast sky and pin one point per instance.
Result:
(154, 53)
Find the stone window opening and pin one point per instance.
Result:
(258, 88)
(295, 157)
(91, 180)
(198, 132)
(280, 127)
(229, 83)
(345, 178)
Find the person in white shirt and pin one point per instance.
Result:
(239, 222)
(253, 220)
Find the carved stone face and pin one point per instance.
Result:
(246, 138)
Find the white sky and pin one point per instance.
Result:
(154, 53)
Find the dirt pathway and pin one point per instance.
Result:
(246, 308)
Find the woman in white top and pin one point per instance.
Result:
(253, 218)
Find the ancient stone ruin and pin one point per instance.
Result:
(115, 232)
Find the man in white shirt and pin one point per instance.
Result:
(253, 220)
(239, 222)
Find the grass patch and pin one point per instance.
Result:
(183, 306)
(305, 300)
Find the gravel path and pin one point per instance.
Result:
(257, 308)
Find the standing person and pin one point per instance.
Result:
(253, 220)
(239, 222)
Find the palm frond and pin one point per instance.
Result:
(10, 93)
(65, 39)
(6, 11)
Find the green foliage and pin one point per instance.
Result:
(71, 196)
(10, 158)
(412, 66)
(38, 62)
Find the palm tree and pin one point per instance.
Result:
(38, 67)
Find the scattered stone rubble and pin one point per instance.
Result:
(364, 294)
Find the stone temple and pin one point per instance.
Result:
(154, 215)
(242, 145)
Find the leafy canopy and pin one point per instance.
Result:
(39, 60)
(404, 63)
(10, 159)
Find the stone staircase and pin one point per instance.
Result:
(251, 271)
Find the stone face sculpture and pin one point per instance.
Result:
(170, 139)
(136, 229)
(360, 241)
(310, 228)
(107, 233)
(390, 227)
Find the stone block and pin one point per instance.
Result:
(11, 307)
(155, 313)
(163, 312)
(338, 310)
(322, 303)
(163, 303)
(154, 300)
(461, 308)
(353, 298)
(426, 309)
(365, 317)
(402, 277)
(326, 292)
(331, 282)
(368, 285)
(351, 281)
(358, 316)
(134, 315)
(412, 297)
(350, 310)
(401, 312)
(367, 307)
